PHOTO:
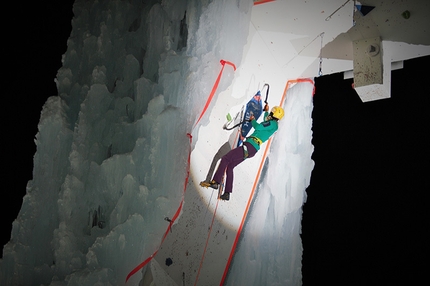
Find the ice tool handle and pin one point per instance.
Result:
(267, 92)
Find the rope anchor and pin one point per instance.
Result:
(170, 222)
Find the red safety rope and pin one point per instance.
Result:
(214, 88)
(207, 242)
(287, 86)
(262, 2)
(213, 219)
(178, 211)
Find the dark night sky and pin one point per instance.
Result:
(363, 222)
(34, 41)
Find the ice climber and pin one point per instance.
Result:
(262, 132)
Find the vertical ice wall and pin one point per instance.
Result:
(111, 147)
(270, 249)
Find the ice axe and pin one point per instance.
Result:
(267, 92)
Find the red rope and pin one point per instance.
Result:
(213, 219)
(214, 88)
(287, 86)
(207, 242)
(178, 211)
(262, 2)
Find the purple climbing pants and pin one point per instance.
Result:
(229, 161)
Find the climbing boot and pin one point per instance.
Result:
(212, 184)
(225, 196)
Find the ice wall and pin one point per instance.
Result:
(270, 248)
(111, 147)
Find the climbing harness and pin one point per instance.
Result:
(256, 140)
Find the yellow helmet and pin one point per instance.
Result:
(277, 112)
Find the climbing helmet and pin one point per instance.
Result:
(277, 112)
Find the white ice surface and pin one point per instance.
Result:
(112, 152)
